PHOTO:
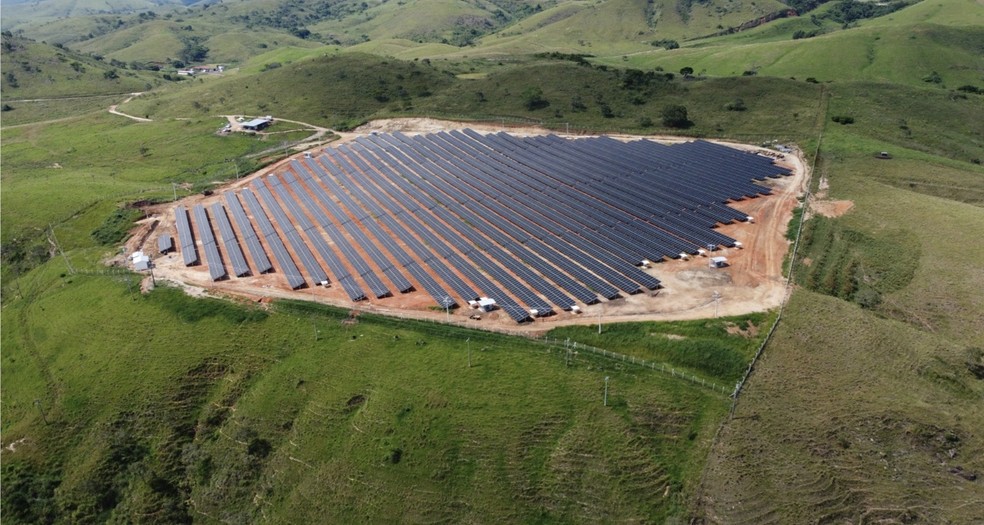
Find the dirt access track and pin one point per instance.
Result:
(752, 282)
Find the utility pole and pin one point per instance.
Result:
(717, 300)
(606, 390)
(235, 162)
(447, 307)
(599, 319)
(51, 230)
(468, 344)
(174, 188)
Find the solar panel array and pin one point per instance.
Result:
(536, 223)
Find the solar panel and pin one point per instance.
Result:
(314, 269)
(165, 243)
(260, 260)
(287, 265)
(188, 250)
(229, 241)
(536, 223)
(214, 261)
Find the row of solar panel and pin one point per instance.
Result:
(435, 245)
(631, 288)
(545, 203)
(185, 238)
(612, 208)
(407, 153)
(559, 253)
(399, 191)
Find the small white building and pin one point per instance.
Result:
(717, 262)
(141, 263)
(486, 304)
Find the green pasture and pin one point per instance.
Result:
(304, 408)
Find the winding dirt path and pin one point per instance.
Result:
(113, 110)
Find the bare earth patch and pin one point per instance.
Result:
(831, 208)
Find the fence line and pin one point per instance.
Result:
(792, 262)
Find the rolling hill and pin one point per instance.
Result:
(488, 28)
(35, 70)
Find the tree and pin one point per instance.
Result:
(675, 116)
(686, 71)
(533, 99)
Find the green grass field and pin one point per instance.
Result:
(220, 405)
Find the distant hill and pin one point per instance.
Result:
(138, 31)
(18, 13)
(37, 70)
(925, 44)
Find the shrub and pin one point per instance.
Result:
(675, 116)
(736, 105)
(842, 119)
(666, 43)
(114, 229)
(533, 99)
(933, 78)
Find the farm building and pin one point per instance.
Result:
(257, 124)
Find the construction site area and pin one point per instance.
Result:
(522, 229)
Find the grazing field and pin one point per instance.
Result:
(305, 413)
(843, 422)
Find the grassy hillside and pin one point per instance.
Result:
(852, 417)
(905, 47)
(208, 410)
(35, 70)
(347, 89)
(436, 28)
(866, 403)
(622, 26)
(20, 14)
